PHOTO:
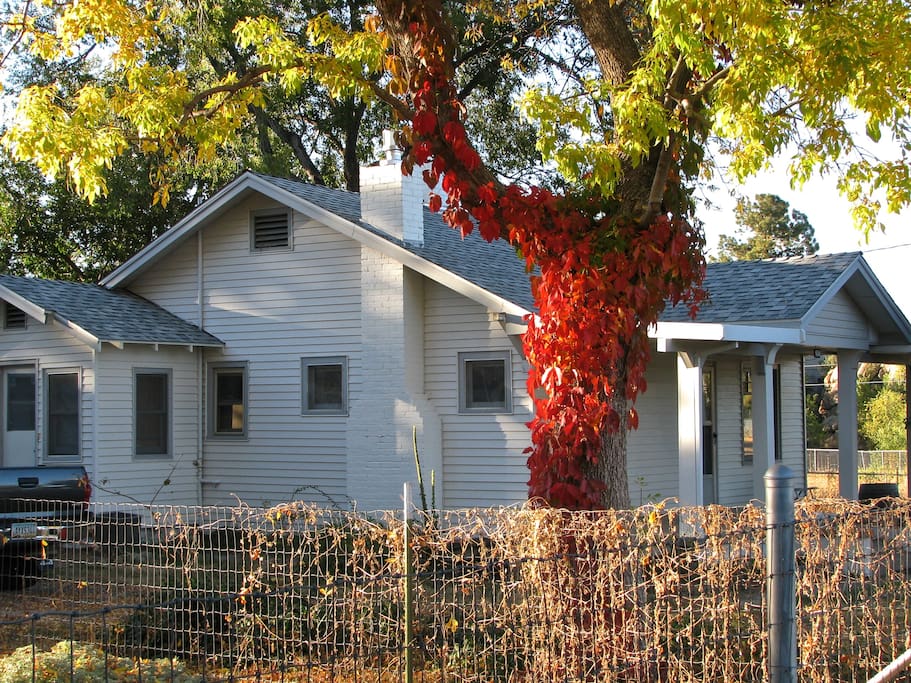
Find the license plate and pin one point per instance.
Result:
(23, 530)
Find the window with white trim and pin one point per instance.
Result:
(270, 229)
(485, 382)
(228, 400)
(324, 386)
(62, 404)
(152, 412)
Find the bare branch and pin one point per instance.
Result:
(21, 35)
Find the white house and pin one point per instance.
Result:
(285, 341)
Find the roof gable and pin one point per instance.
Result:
(781, 299)
(491, 274)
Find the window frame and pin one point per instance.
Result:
(465, 404)
(272, 211)
(168, 412)
(214, 370)
(747, 455)
(745, 378)
(319, 361)
(48, 421)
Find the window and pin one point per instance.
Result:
(13, 318)
(270, 229)
(20, 401)
(152, 419)
(63, 414)
(228, 400)
(746, 410)
(324, 385)
(484, 382)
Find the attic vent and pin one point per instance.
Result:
(13, 318)
(270, 229)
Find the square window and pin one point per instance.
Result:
(228, 400)
(152, 413)
(324, 386)
(484, 382)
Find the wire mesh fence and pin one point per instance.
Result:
(293, 592)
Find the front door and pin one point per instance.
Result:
(709, 460)
(18, 406)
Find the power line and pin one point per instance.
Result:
(894, 246)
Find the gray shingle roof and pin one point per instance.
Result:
(739, 291)
(494, 267)
(765, 291)
(108, 315)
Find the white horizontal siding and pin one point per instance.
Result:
(652, 463)
(483, 459)
(840, 324)
(123, 476)
(273, 308)
(793, 433)
(735, 475)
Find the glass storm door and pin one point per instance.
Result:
(18, 417)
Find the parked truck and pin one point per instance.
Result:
(37, 505)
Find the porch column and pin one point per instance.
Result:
(689, 429)
(847, 424)
(763, 418)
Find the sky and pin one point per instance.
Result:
(888, 253)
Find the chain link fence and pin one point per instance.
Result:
(293, 592)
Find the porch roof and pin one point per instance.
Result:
(99, 315)
(776, 302)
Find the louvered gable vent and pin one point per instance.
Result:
(271, 229)
(14, 318)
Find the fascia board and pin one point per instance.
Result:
(727, 332)
(30, 308)
(861, 267)
(182, 229)
(883, 296)
(369, 239)
(341, 225)
(832, 290)
(78, 332)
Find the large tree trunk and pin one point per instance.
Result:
(611, 467)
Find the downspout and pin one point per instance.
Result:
(95, 459)
(908, 430)
(200, 368)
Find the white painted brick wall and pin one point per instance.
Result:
(393, 202)
(390, 401)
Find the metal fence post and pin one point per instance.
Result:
(782, 599)
(409, 588)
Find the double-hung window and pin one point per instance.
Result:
(228, 400)
(62, 429)
(152, 412)
(485, 382)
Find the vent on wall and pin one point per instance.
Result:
(270, 229)
(13, 318)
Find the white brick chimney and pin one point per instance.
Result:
(391, 201)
